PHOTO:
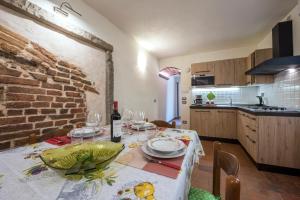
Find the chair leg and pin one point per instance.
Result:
(232, 188)
(216, 169)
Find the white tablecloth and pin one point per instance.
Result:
(17, 181)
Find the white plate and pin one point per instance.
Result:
(155, 154)
(165, 144)
(146, 125)
(85, 132)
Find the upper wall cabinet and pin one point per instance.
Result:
(256, 58)
(232, 71)
(240, 67)
(206, 68)
(224, 72)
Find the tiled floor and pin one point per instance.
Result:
(255, 185)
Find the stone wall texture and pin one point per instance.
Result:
(39, 93)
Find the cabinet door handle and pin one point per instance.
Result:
(224, 84)
(250, 139)
(227, 111)
(253, 130)
(203, 111)
(253, 118)
(202, 71)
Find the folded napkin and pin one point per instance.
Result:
(165, 170)
(59, 140)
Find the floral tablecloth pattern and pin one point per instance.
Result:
(24, 176)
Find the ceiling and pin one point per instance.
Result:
(176, 27)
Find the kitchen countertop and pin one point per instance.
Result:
(245, 108)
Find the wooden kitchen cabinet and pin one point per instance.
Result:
(269, 140)
(240, 68)
(224, 72)
(225, 123)
(256, 58)
(241, 128)
(202, 121)
(205, 68)
(247, 133)
(219, 123)
(262, 55)
(279, 141)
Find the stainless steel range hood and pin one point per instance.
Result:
(283, 59)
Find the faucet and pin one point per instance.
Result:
(261, 101)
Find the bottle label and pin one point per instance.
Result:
(117, 128)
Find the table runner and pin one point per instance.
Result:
(21, 168)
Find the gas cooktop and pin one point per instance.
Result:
(266, 108)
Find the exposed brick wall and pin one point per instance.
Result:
(39, 94)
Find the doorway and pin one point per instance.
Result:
(172, 93)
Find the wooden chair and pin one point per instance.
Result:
(230, 164)
(32, 139)
(161, 123)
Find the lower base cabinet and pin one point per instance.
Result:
(202, 121)
(270, 140)
(225, 123)
(247, 133)
(219, 123)
(280, 142)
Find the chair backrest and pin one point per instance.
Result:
(230, 164)
(161, 123)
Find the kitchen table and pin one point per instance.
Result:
(24, 176)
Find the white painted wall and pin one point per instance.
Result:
(137, 84)
(295, 16)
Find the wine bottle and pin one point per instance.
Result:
(116, 124)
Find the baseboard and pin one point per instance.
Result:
(259, 166)
(232, 141)
(278, 169)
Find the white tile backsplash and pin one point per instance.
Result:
(239, 95)
(285, 91)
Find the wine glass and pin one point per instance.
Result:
(127, 117)
(139, 120)
(93, 121)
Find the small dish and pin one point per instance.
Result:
(85, 132)
(165, 144)
(155, 154)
